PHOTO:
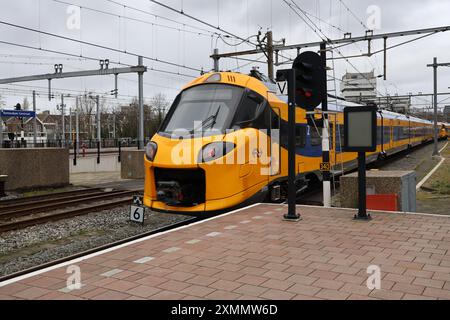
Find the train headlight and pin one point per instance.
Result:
(215, 151)
(150, 151)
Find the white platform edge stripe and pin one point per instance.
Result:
(443, 147)
(92, 255)
(428, 176)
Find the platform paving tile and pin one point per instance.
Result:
(324, 256)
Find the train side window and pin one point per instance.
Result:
(275, 120)
(386, 134)
(339, 137)
(300, 136)
(316, 140)
(331, 135)
(379, 134)
(396, 137)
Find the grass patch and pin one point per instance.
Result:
(441, 180)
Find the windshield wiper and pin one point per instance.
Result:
(212, 120)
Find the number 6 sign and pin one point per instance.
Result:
(137, 214)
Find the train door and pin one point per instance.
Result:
(409, 133)
(338, 143)
(274, 147)
(332, 133)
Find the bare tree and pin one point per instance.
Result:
(87, 113)
(127, 117)
(159, 106)
(25, 104)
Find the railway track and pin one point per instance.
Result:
(51, 196)
(19, 216)
(100, 248)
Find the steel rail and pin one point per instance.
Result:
(19, 209)
(20, 224)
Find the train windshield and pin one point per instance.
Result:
(202, 108)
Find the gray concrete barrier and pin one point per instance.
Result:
(108, 163)
(402, 183)
(34, 168)
(132, 164)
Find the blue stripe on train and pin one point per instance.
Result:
(308, 150)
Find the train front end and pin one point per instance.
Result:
(207, 158)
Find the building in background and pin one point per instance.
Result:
(359, 87)
(447, 114)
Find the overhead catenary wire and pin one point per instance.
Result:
(354, 15)
(235, 44)
(324, 38)
(131, 18)
(22, 56)
(365, 28)
(95, 59)
(61, 52)
(97, 45)
(160, 17)
(105, 95)
(250, 62)
(201, 21)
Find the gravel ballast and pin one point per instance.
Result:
(33, 246)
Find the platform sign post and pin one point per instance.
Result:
(1, 129)
(360, 135)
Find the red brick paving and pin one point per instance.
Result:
(324, 256)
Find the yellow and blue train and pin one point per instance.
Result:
(223, 145)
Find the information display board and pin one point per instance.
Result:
(360, 129)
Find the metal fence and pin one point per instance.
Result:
(87, 144)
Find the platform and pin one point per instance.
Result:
(253, 254)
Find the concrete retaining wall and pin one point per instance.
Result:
(402, 183)
(34, 168)
(108, 163)
(133, 164)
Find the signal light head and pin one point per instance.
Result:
(307, 93)
(310, 80)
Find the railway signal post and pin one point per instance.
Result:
(289, 75)
(311, 91)
(306, 89)
(360, 135)
(326, 174)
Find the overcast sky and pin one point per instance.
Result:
(189, 46)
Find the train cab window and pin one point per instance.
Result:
(203, 107)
